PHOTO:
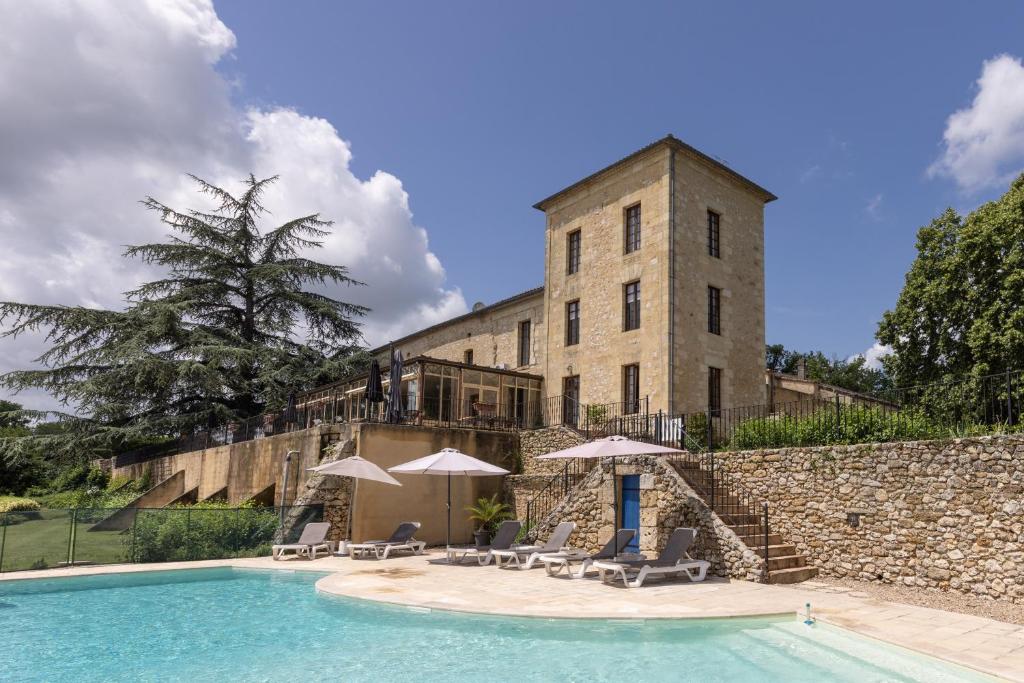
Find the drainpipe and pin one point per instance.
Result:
(671, 277)
(284, 486)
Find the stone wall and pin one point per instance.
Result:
(940, 515)
(333, 492)
(666, 502)
(537, 442)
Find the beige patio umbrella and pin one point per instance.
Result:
(610, 447)
(357, 468)
(447, 462)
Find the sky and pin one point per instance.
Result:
(427, 131)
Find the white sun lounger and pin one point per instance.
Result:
(672, 560)
(313, 538)
(556, 562)
(503, 540)
(514, 555)
(400, 540)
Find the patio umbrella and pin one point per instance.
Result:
(374, 389)
(394, 414)
(357, 468)
(610, 447)
(447, 462)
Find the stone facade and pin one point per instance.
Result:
(491, 333)
(939, 515)
(675, 186)
(666, 502)
(537, 442)
(334, 493)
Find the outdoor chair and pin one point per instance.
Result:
(672, 560)
(514, 555)
(503, 540)
(402, 539)
(313, 538)
(556, 562)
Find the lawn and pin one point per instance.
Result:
(36, 540)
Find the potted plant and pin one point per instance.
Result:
(487, 513)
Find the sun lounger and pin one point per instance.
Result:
(672, 560)
(400, 540)
(313, 538)
(503, 540)
(556, 562)
(514, 555)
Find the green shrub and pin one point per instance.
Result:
(852, 424)
(97, 478)
(71, 478)
(202, 532)
(16, 504)
(120, 483)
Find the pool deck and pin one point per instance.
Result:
(427, 582)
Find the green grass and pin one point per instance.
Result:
(37, 540)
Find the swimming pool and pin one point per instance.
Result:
(250, 625)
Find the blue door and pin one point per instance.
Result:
(631, 509)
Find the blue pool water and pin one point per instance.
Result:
(246, 625)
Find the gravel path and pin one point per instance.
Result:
(1000, 610)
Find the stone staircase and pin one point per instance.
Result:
(785, 564)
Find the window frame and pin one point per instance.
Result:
(714, 234)
(467, 357)
(524, 348)
(573, 255)
(572, 324)
(714, 391)
(714, 310)
(633, 245)
(627, 319)
(631, 389)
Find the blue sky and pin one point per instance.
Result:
(483, 108)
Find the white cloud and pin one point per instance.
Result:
(873, 207)
(984, 143)
(107, 103)
(873, 355)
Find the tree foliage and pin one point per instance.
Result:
(961, 311)
(853, 374)
(234, 324)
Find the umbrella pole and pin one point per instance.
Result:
(448, 534)
(352, 507)
(615, 499)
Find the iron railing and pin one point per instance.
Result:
(40, 539)
(555, 491)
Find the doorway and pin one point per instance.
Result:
(630, 515)
(571, 400)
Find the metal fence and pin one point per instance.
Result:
(42, 539)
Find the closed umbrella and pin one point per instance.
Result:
(374, 388)
(357, 468)
(447, 462)
(610, 447)
(394, 414)
(291, 413)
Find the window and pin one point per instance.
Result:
(630, 389)
(632, 228)
(714, 310)
(713, 234)
(714, 391)
(631, 306)
(572, 323)
(573, 252)
(467, 357)
(524, 342)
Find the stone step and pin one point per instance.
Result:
(793, 575)
(786, 562)
(775, 550)
(757, 540)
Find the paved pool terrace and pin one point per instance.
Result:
(428, 582)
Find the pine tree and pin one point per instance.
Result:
(227, 333)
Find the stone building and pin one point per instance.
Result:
(653, 289)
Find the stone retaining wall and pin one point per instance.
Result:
(666, 502)
(942, 515)
(335, 493)
(546, 440)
